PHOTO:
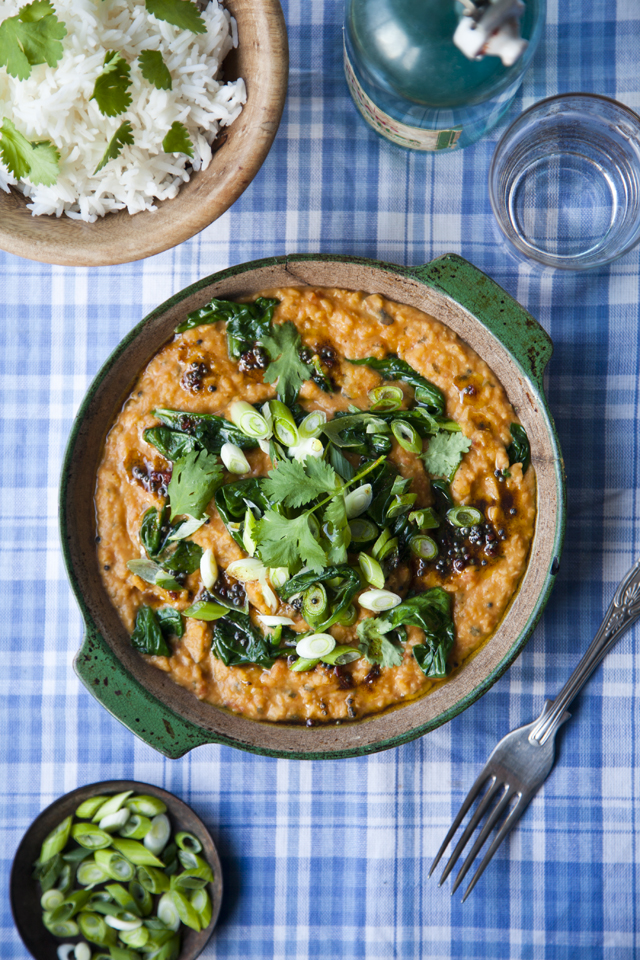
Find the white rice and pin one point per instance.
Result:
(54, 104)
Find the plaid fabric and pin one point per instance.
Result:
(330, 860)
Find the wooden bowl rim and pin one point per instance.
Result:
(123, 238)
(40, 827)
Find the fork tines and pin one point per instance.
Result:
(501, 795)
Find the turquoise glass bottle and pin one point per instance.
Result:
(414, 86)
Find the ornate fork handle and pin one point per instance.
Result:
(623, 612)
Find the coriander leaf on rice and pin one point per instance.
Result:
(180, 13)
(177, 139)
(37, 160)
(154, 69)
(122, 136)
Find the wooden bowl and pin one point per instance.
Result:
(24, 890)
(169, 717)
(262, 59)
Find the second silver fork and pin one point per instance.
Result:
(522, 760)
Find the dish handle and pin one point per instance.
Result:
(105, 677)
(517, 330)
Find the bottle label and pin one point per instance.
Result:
(414, 138)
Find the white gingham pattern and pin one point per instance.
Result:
(330, 860)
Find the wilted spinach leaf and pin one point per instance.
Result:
(340, 596)
(236, 641)
(194, 431)
(392, 368)
(147, 636)
(519, 451)
(431, 611)
(170, 621)
(232, 501)
(184, 559)
(246, 322)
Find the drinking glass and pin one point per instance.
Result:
(564, 182)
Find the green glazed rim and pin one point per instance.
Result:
(111, 682)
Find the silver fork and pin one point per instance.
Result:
(521, 762)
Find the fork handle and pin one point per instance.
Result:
(623, 612)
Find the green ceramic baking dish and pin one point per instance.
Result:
(171, 719)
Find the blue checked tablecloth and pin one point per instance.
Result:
(330, 860)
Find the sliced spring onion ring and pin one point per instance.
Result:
(249, 420)
(424, 547)
(51, 899)
(270, 598)
(425, 519)
(64, 928)
(462, 516)
(115, 821)
(187, 841)
(314, 602)
(56, 841)
(124, 921)
(136, 853)
(90, 873)
(400, 505)
(312, 424)
(341, 655)
(269, 621)
(380, 543)
(347, 617)
(168, 913)
(371, 570)
(386, 398)
(158, 836)
(90, 837)
(311, 447)
(208, 568)
(186, 912)
(117, 866)
(407, 436)
(112, 805)
(316, 645)
(82, 951)
(278, 576)
(233, 458)
(248, 570)
(304, 664)
(362, 530)
(87, 809)
(65, 950)
(146, 805)
(93, 927)
(249, 534)
(152, 880)
(358, 500)
(135, 938)
(201, 903)
(284, 426)
(379, 600)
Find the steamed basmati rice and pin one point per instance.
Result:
(54, 104)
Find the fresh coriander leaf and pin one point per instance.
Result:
(177, 140)
(147, 636)
(444, 453)
(122, 136)
(111, 87)
(180, 13)
(38, 160)
(152, 572)
(284, 543)
(154, 69)
(375, 646)
(193, 483)
(286, 369)
(31, 37)
(294, 484)
(335, 527)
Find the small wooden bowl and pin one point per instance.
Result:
(262, 59)
(25, 893)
